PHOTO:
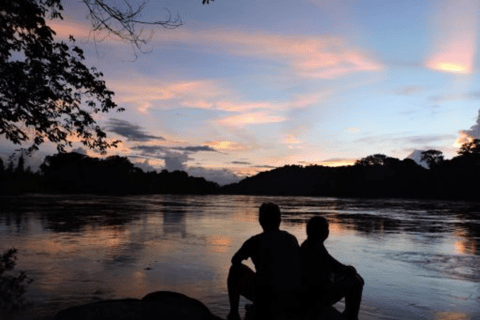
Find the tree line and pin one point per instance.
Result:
(74, 173)
(374, 176)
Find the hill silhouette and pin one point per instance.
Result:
(374, 176)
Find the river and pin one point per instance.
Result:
(420, 259)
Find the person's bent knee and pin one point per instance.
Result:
(359, 280)
(239, 270)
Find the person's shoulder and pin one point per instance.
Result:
(304, 244)
(289, 237)
(287, 234)
(255, 238)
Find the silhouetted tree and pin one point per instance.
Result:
(10, 167)
(2, 168)
(376, 159)
(470, 148)
(46, 92)
(20, 169)
(432, 158)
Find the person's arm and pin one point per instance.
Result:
(243, 253)
(339, 267)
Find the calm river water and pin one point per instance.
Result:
(419, 259)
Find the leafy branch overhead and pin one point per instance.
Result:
(46, 92)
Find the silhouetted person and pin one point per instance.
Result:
(275, 286)
(326, 281)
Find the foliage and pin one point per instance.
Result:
(432, 158)
(376, 159)
(470, 148)
(76, 173)
(46, 92)
(12, 287)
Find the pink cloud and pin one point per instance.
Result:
(317, 57)
(250, 118)
(455, 40)
(144, 91)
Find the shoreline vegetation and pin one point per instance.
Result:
(375, 176)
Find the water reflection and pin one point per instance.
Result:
(82, 248)
(174, 222)
(451, 316)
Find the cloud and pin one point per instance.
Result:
(290, 139)
(145, 166)
(130, 131)
(428, 138)
(474, 130)
(226, 145)
(146, 92)
(409, 90)
(416, 156)
(250, 118)
(300, 101)
(312, 57)
(220, 176)
(474, 95)
(466, 136)
(149, 150)
(229, 106)
(416, 139)
(263, 166)
(176, 161)
(337, 162)
(241, 162)
(353, 130)
(195, 148)
(455, 40)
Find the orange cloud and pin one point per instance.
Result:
(290, 139)
(464, 138)
(456, 36)
(142, 92)
(225, 145)
(337, 162)
(250, 118)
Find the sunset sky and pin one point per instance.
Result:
(245, 86)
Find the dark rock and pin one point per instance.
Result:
(162, 305)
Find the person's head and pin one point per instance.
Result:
(317, 229)
(269, 216)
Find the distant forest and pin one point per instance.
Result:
(374, 176)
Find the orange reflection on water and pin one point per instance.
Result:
(451, 316)
(466, 245)
(335, 227)
(103, 237)
(219, 243)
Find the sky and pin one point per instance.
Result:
(247, 86)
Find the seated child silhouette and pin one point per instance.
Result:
(326, 281)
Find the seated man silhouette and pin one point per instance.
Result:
(325, 281)
(275, 286)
